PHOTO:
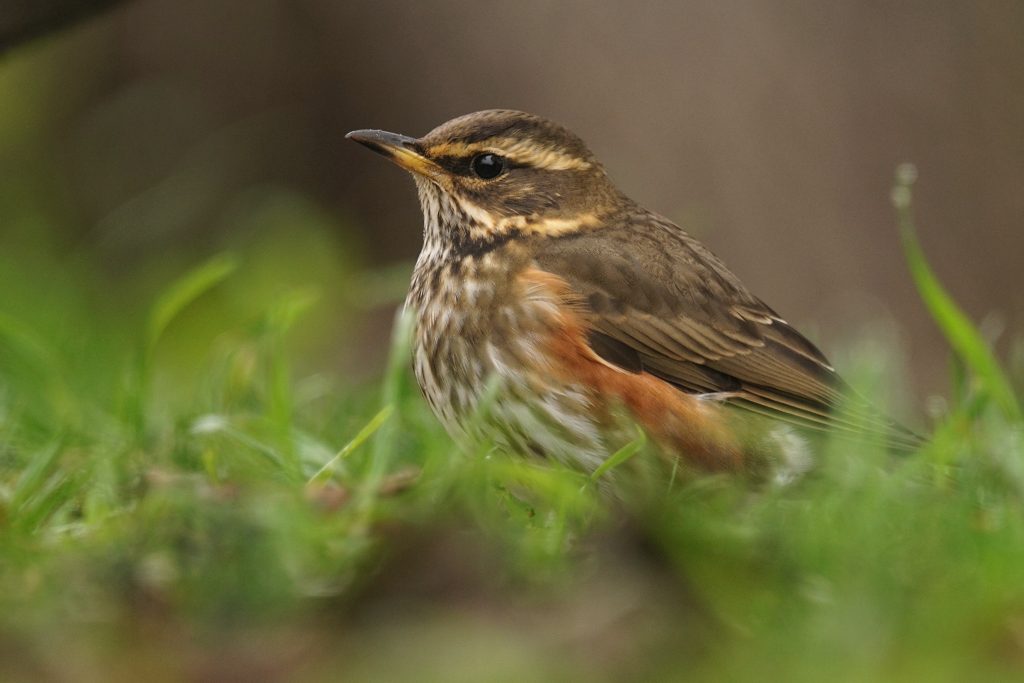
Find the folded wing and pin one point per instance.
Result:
(657, 301)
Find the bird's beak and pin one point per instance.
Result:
(401, 149)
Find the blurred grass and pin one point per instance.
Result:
(185, 496)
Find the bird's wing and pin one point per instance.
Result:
(657, 301)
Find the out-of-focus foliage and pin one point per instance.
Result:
(184, 497)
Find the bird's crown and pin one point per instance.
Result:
(522, 139)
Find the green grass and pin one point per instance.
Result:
(184, 495)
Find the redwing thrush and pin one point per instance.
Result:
(538, 272)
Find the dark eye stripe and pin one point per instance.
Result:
(453, 164)
(461, 165)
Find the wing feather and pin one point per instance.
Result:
(658, 301)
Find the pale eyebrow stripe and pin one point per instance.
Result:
(519, 151)
(487, 223)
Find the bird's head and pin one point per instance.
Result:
(499, 174)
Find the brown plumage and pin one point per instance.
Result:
(539, 274)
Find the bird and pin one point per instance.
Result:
(546, 298)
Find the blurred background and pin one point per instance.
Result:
(141, 139)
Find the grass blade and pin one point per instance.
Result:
(34, 476)
(184, 291)
(620, 456)
(385, 440)
(961, 333)
(324, 473)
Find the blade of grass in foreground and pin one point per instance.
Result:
(184, 291)
(620, 456)
(171, 302)
(325, 472)
(962, 335)
(386, 438)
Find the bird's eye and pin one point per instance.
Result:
(487, 166)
